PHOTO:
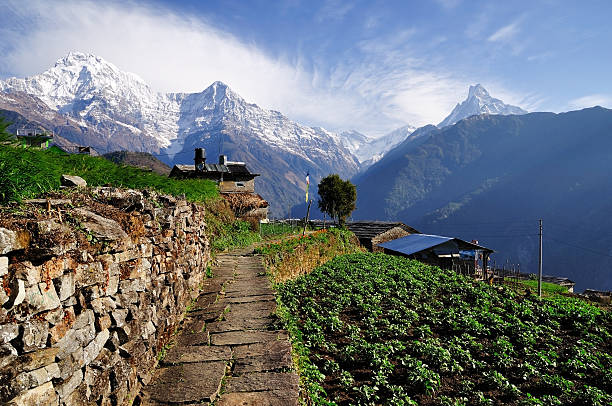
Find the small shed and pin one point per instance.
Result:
(372, 233)
(445, 252)
(561, 281)
(34, 137)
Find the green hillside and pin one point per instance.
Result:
(376, 329)
(28, 172)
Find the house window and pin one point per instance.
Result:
(239, 184)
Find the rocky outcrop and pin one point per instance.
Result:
(91, 294)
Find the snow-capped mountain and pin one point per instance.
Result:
(479, 101)
(124, 113)
(353, 141)
(369, 150)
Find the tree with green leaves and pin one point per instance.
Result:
(337, 197)
(5, 136)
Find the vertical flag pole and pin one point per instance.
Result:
(540, 264)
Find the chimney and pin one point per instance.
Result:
(222, 159)
(200, 158)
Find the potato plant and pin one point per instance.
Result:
(376, 329)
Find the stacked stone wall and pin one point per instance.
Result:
(94, 283)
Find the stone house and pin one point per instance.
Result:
(372, 233)
(236, 182)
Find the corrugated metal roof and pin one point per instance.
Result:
(414, 243)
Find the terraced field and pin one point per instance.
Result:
(377, 329)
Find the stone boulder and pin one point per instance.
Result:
(72, 181)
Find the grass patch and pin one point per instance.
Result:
(29, 172)
(547, 287)
(296, 256)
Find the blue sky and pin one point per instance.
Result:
(366, 65)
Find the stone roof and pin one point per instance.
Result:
(370, 229)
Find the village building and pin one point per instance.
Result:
(236, 183)
(34, 137)
(372, 233)
(446, 252)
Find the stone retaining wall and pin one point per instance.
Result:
(93, 285)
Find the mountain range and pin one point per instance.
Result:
(88, 100)
(492, 177)
(487, 171)
(114, 110)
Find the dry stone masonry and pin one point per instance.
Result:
(94, 282)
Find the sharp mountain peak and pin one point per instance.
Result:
(479, 101)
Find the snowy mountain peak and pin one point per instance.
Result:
(78, 58)
(477, 90)
(219, 91)
(479, 101)
(369, 150)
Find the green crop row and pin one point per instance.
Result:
(376, 329)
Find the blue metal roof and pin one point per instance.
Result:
(414, 243)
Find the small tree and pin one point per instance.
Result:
(337, 197)
(5, 136)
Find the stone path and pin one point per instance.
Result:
(229, 351)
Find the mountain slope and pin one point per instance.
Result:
(491, 177)
(369, 150)
(141, 160)
(479, 101)
(34, 120)
(119, 111)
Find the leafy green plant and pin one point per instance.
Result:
(377, 329)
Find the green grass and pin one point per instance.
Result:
(234, 235)
(547, 287)
(29, 172)
(376, 329)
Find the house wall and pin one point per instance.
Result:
(87, 308)
(232, 186)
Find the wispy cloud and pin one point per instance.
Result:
(591, 100)
(380, 85)
(506, 33)
(541, 57)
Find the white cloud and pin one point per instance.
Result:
(505, 33)
(591, 100)
(375, 88)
